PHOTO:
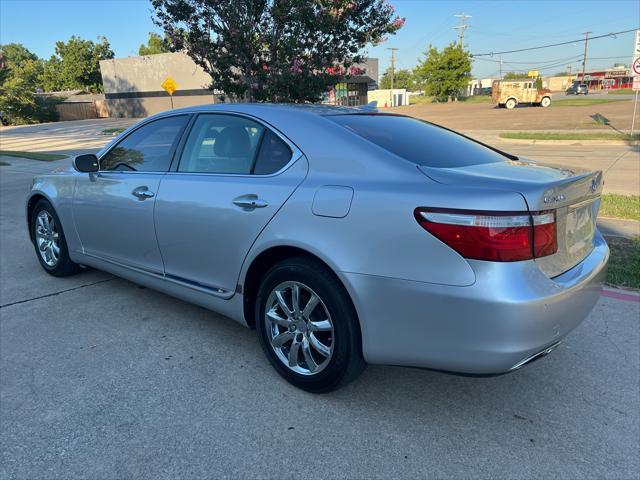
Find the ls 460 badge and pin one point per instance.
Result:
(554, 198)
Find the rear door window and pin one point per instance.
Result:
(417, 141)
(231, 144)
(221, 143)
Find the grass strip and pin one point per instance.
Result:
(620, 206)
(569, 136)
(624, 262)
(585, 102)
(621, 91)
(43, 157)
(112, 131)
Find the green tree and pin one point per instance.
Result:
(76, 65)
(276, 50)
(20, 78)
(13, 55)
(401, 79)
(444, 74)
(515, 76)
(155, 44)
(17, 95)
(538, 83)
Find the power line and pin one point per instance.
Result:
(462, 27)
(565, 59)
(490, 54)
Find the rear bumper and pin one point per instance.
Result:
(512, 312)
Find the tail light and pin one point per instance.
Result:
(493, 236)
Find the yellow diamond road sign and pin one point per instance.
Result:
(169, 85)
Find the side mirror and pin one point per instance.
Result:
(86, 163)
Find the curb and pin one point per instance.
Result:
(621, 294)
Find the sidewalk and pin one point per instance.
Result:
(617, 227)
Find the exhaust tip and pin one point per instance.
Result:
(536, 356)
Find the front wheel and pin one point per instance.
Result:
(49, 241)
(307, 325)
(546, 101)
(511, 104)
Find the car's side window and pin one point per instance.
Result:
(221, 144)
(148, 149)
(274, 154)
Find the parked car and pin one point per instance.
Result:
(4, 121)
(342, 236)
(578, 89)
(509, 93)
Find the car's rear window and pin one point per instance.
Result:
(419, 142)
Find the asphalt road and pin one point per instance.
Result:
(100, 378)
(620, 162)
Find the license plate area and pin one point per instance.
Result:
(576, 227)
(580, 228)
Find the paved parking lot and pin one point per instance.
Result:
(101, 378)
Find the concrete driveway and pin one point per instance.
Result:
(61, 137)
(102, 378)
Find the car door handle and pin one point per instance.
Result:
(249, 201)
(142, 193)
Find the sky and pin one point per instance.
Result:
(495, 26)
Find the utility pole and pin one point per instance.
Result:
(393, 64)
(584, 58)
(569, 67)
(500, 67)
(393, 69)
(462, 27)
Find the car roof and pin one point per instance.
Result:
(262, 108)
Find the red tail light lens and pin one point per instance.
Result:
(493, 236)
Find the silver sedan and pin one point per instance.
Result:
(343, 236)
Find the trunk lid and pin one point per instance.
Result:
(573, 193)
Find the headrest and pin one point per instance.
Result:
(233, 142)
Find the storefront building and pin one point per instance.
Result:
(608, 79)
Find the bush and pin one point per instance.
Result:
(21, 106)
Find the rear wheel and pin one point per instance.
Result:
(307, 325)
(546, 101)
(49, 241)
(511, 104)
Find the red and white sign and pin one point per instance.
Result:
(635, 66)
(636, 84)
(635, 63)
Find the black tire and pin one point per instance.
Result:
(346, 361)
(64, 266)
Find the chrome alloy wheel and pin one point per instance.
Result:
(47, 238)
(299, 328)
